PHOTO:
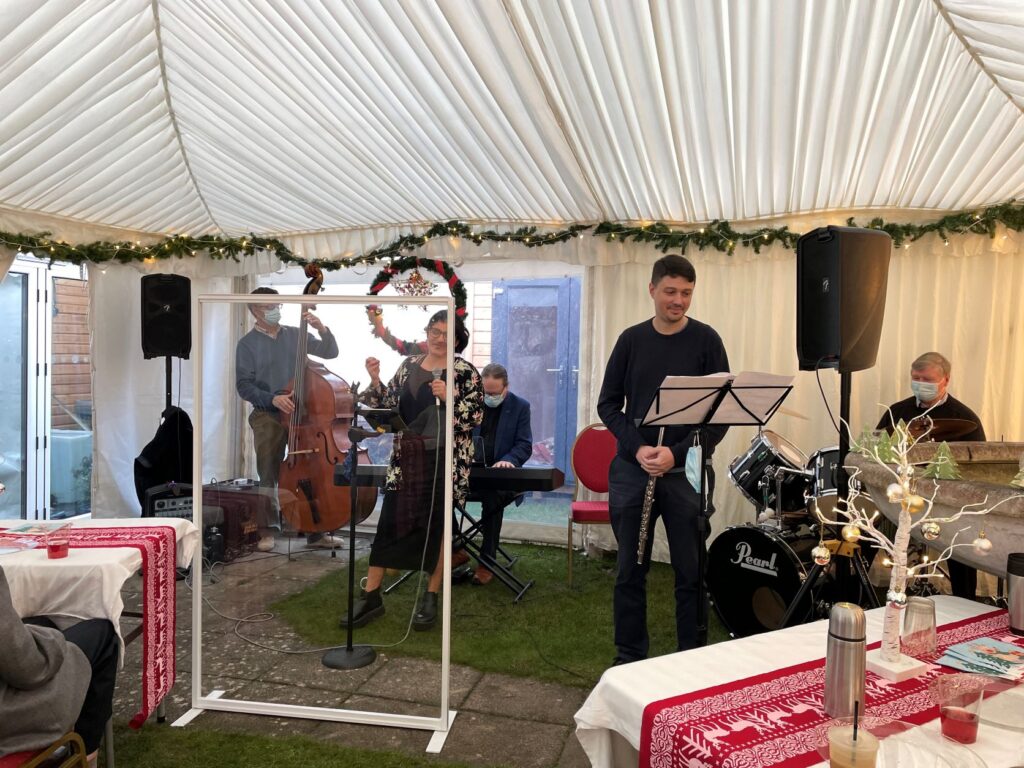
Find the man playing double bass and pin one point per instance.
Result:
(264, 367)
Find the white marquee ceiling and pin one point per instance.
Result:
(279, 116)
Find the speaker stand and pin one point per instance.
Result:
(168, 388)
(848, 582)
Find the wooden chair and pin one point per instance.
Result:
(592, 455)
(66, 752)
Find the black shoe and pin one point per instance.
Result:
(426, 612)
(367, 607)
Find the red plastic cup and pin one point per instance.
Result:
(56, 547)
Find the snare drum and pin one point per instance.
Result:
(753, 575)
(769, 451)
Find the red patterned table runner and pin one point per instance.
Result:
(775, 719)
(157, 544)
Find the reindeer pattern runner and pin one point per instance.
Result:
(778, 718)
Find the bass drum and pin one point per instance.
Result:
(754, 573)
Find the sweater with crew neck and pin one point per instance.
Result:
(640, 361)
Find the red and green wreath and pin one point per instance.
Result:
(441, 268)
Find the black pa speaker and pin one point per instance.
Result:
(841, 277)
(166, 316)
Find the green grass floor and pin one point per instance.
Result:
(554, 633)
(165, 747)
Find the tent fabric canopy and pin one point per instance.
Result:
(294, 117)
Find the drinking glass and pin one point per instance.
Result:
(919, 627)
(57, 545)
(959, 698)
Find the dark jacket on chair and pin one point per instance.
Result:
(43, 681)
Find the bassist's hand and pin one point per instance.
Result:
(284, 403)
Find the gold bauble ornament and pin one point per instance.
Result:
(894, 493)
(930, 530)
(915, 504)
(851, 532)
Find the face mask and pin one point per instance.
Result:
(924, 391)
(694, 456)
(493, 401)
(272, 316)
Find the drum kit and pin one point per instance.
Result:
(755, 571)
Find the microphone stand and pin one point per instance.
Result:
(353, 656)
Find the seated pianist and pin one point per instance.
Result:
(504, 439)
(929, 382)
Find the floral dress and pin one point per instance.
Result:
(404, 540)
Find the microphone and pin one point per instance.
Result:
(436, 373)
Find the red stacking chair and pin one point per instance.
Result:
(592, 455)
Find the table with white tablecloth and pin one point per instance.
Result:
(87, 583)
(608, 724)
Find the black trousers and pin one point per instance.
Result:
(98, 641)
(678, 505)
(492, 514)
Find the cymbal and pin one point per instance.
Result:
(942, 429)
(789, 412)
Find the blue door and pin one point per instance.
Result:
(535, 334)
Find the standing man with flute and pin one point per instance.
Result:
(669, 344)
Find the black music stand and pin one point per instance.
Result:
(744, 399)
(356, 656)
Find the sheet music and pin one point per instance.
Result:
(759, 392)
(683, 400)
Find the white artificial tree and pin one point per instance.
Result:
(916, 511)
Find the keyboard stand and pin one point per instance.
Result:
(464, 538)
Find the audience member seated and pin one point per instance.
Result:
(53, 680)
(504, 439)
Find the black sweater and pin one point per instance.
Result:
(951, 409)
(640, 361)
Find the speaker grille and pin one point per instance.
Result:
(166, 316)
(842, 276)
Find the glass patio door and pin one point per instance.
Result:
(535, 334)
(22, 420)
(46, 395)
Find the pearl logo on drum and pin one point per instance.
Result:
(744, 560)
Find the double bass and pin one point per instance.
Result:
(318, 440)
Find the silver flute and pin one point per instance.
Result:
(645, 512)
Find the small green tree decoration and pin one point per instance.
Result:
(943, 466)
(1018, 479)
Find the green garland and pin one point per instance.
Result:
(441, 268)
(718, 234)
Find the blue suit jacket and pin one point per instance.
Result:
(513, 440)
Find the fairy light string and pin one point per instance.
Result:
(717, 235)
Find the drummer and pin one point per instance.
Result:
(929, 381)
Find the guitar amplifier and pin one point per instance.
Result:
(175, 500)
(245, 503)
